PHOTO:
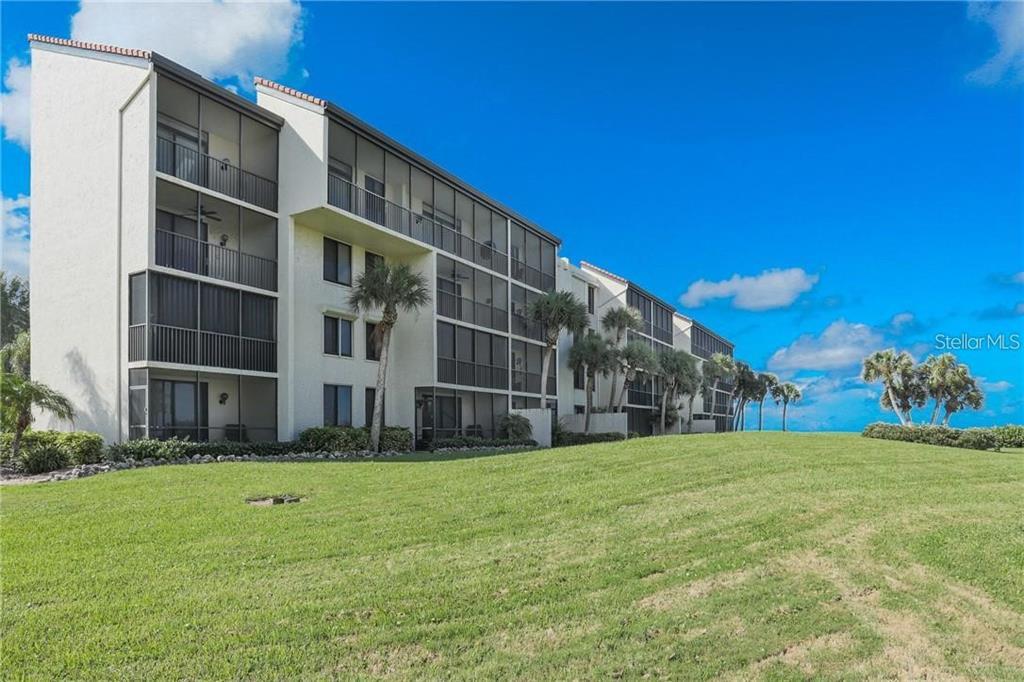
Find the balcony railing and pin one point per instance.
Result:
(213, 260)
(467, 310)
(375, 208)
(532, 276)
(463, 373)
(525, 327)
(204, 170)
(529, 382)
(164, 343)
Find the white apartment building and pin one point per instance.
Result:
(193, 255)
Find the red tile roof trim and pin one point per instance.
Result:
(259, 80)
(95, 47)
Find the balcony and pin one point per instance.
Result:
(529, 382)
(213, 260)
(193, 166)
(464, 373)
(350, 197)
(527, 328)
(530, 275)
(467, 310)
(181, 345)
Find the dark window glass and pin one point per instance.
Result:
(345, 337)
(137, 299)
(337, 405)
(330, 335)
(445, 340)
(372, 342)
(337, 262)
(372, 260)
(590, 299)
(371, 395)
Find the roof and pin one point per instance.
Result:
(384, 140)
(170, 68)
(607, 273)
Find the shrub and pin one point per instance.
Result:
(515, 427)
(566, 438)
(473, 442)
(41, 457)
(335, 439)
(1010, 436)
(395, 439)
(973, 439)
(58, 449)
(173, 448)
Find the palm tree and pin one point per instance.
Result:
(785, 393)
(556, 311)
(679, 371)
(18, 396)
(939, 375)
(892, 370)
(637, 357)
(390, 288)
(591, 355)
(16, 355)
(746, 385)
(962, 391)
(765, 383)
(718, 368)
(697, 386)
(617, 322)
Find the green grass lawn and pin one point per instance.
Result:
(781, 556)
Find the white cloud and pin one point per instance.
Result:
(771, 289)
(1006, 19)
(15, 243)
(842, 344)
(14, 102)
(995, 386)
(901, 322)
(220, 40)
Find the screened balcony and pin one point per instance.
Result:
(206, 143)
(527, 363)
(447, 413)
(208, 236)
(470, 357)
(186, 322)
(201, 406)
(470, 295)
(378, 186)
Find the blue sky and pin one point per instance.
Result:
(814, 181)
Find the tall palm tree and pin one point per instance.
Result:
(16, 355)
(636, 358)
(718, 368)
(962, 391)
(698, 386)
(892, 369)
(617, 322)
(389, 288)
(746, 386)
(939, 374)
(556, 311)
(765, 383)
(18, 396)
(591, 355)
(679, 372)
(786, 393)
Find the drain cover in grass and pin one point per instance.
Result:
(273, 499)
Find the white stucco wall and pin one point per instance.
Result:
(81, 247)
(540, 423)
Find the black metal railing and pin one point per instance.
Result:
(528, 274)
(182, 252)
(464, 373)
(529, 382)
(525, 327)
(180, 345)
(347, 196)
(220, 176)
(467, 310)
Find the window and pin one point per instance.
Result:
(371, 395)
(337, 405)
(372, 342)
(137, 299)
(337, 262)
(372, 260)
(337, 336)
(590, 299)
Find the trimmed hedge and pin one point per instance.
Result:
(1009, 436)
(43, 451)
(354, 439)
(566, 438)
(972, 439)
(515, 427)
(470, 442)
(174, 448)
